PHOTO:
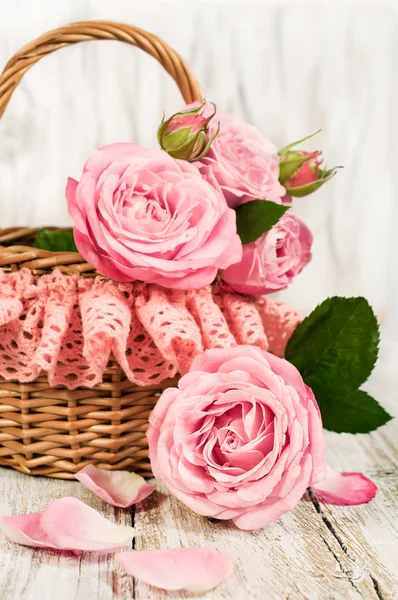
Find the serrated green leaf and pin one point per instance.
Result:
(253, 219)
(335, 348)
(353, 413)
(55, 241)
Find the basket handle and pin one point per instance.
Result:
(87, 31)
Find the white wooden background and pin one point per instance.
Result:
(290, 68)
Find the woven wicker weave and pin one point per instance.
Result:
(56, 431)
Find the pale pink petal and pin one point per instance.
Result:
(72, 525)
(119, 488)
(25, 530)
(345, 488)
(193, 569)
(67, 524)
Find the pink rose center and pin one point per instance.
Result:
(240, 438)
(156, 211)
(148, 210)
(136, 206)
(281, 254)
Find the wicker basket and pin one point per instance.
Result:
(56, 431)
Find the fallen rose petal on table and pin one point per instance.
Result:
(345, 488)
(192, 569)
(25, 530)
(67, 524)
(73, 525)
(119, 488)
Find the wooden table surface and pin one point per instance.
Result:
(318, 551)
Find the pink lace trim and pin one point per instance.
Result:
(70, 327)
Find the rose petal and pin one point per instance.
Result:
(119, 488)
(72, 525)
(67, 524)
(264, 514)
(345, 488)
(25, 530)
(194, 569)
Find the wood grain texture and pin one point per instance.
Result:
(296, 557)
(317, 551)
(26, 574)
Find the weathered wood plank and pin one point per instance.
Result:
(296, 557)
(368, 536)
(28, 574)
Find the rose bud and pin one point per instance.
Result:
(300, 172)
(186, 134)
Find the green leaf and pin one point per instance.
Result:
(55, 241)
(353, 413)
(253, 219)
(335, 348)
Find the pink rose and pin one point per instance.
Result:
(141, 214)
(241, 438)
(243, 163)
(271, 263)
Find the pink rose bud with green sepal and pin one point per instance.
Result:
(186, 135)
(300, 172)
(306, 172)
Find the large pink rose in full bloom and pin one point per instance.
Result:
(272, 262)
(240, 438)
(243, 163)
(141, 214)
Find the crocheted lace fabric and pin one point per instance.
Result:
(70, 327)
